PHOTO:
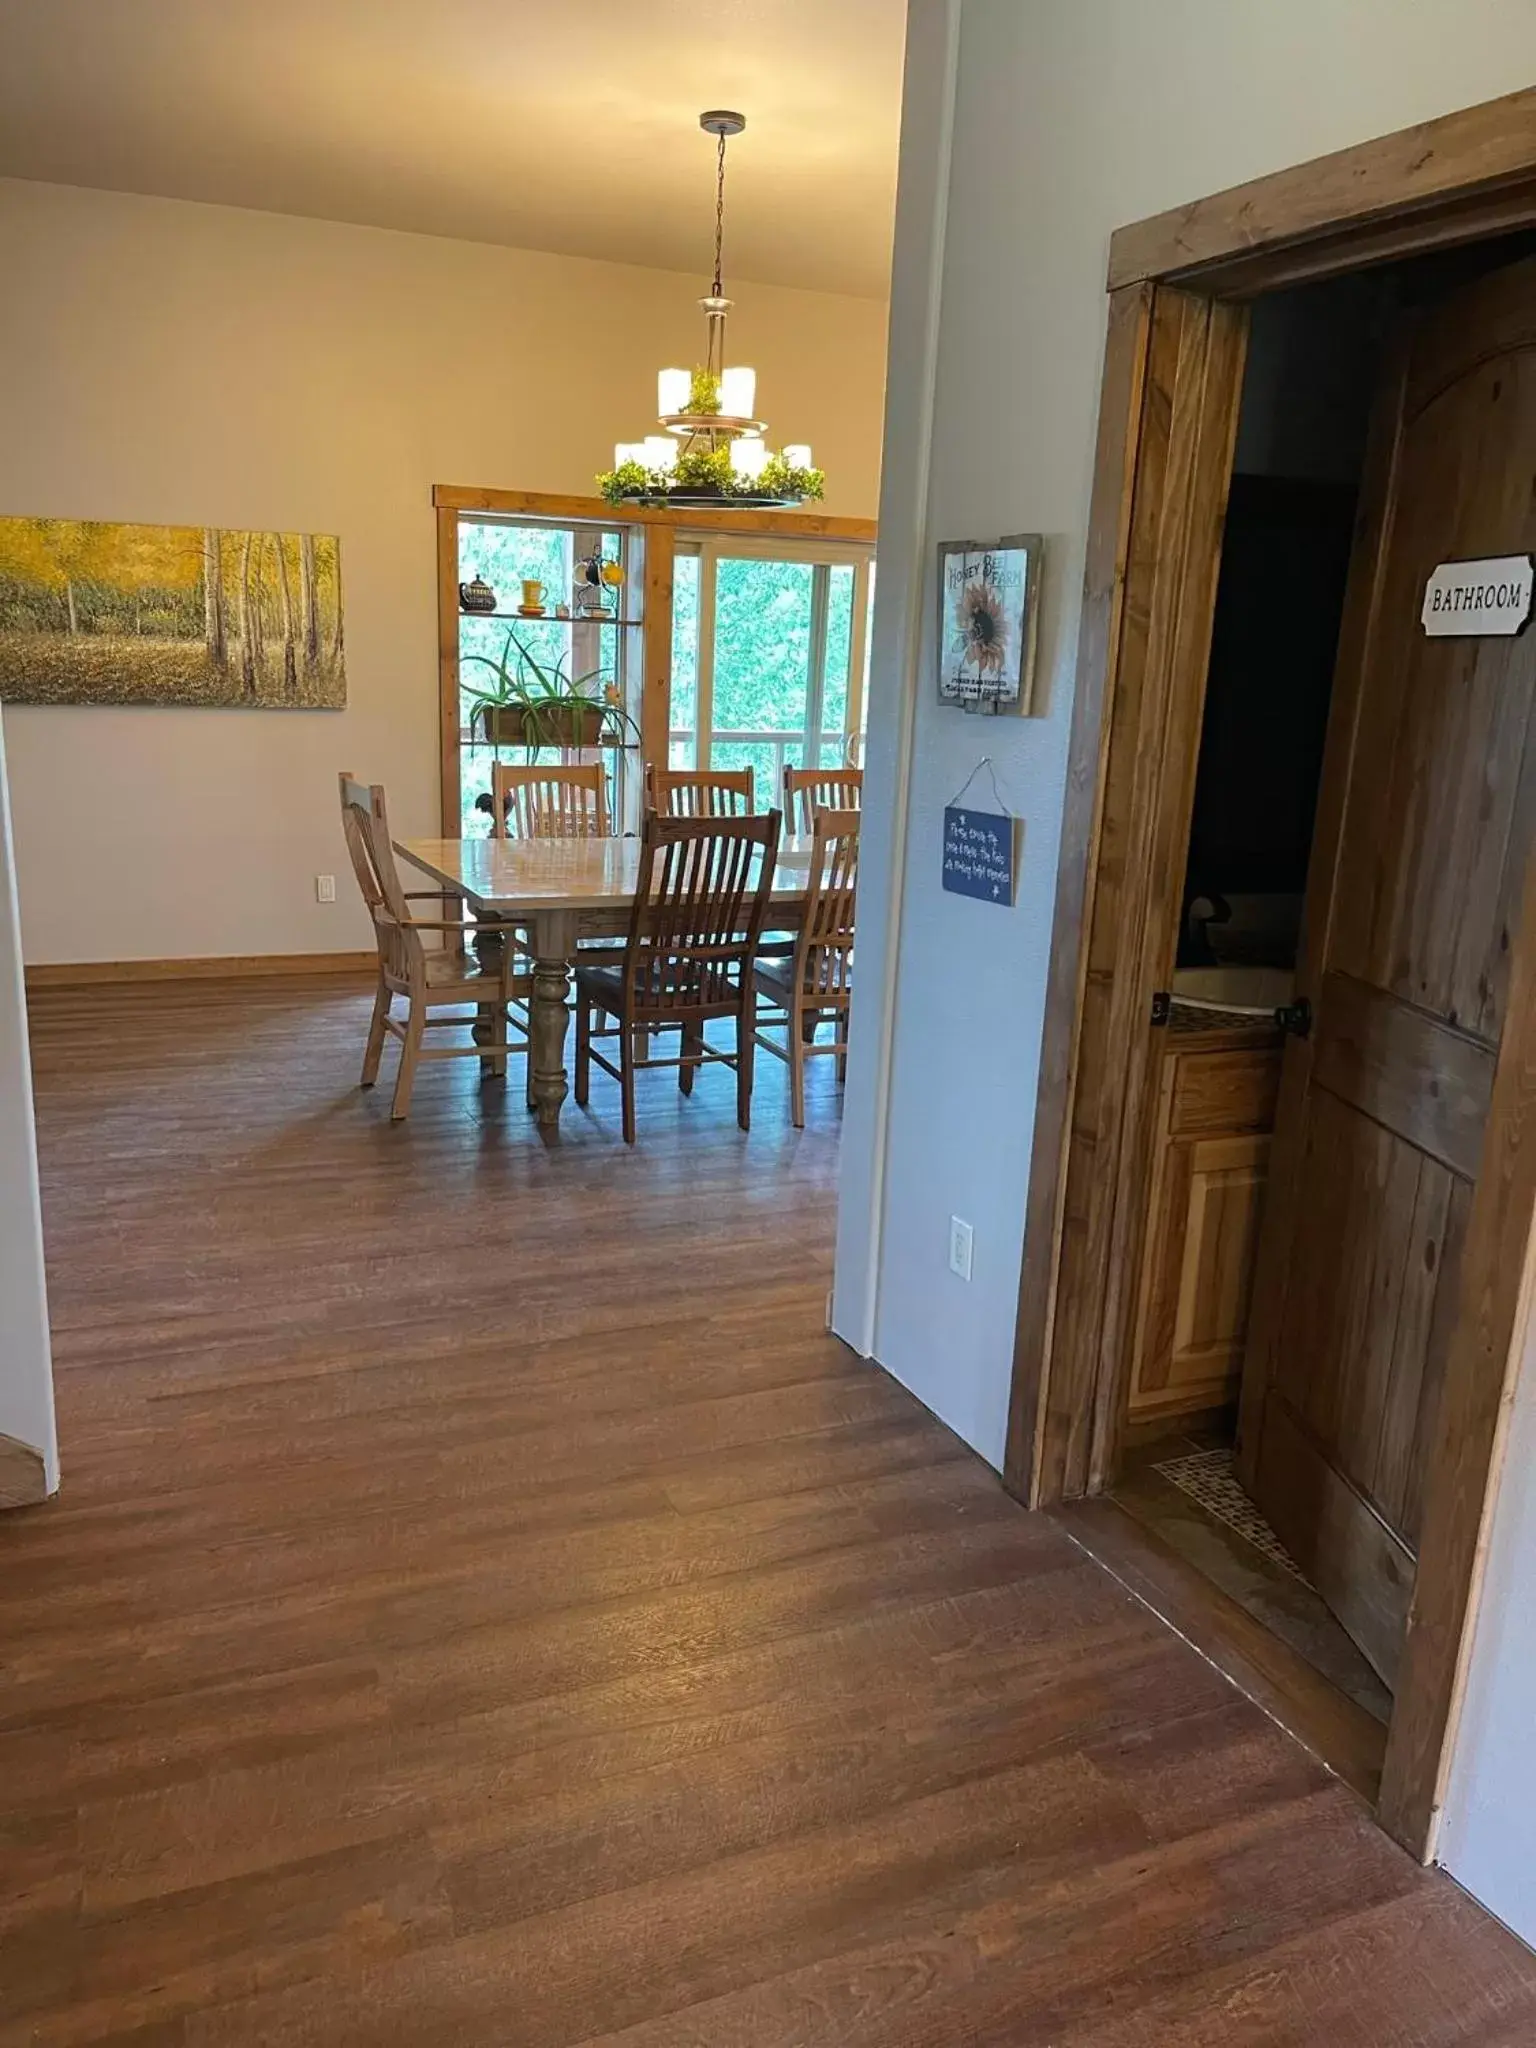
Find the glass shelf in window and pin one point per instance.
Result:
(553, 618)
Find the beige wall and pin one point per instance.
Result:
(162, 361)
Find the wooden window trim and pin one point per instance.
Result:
(559, 505)
(1163, 458)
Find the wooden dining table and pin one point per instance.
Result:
(557, 891)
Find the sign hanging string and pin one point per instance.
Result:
(984, 762)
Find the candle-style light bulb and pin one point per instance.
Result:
(738, 391)
(749, 456)
(672, 388)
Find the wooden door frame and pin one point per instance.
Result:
(1178, 290)
(657, 528)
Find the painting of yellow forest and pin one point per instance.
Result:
(92, 612)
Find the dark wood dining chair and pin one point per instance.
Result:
(809, 790)
(816, 982)
(700, 792)
(701, 895)
(427, 978)
(550, 803)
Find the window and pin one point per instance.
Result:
(769, 655)
(594, 652)
(761, 657)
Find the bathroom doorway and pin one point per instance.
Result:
(1377, 1193)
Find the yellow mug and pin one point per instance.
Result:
(533, 592)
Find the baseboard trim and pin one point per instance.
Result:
(23, 1475)
(212, 967)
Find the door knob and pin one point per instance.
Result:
(1295, 1019)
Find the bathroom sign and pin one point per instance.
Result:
(981, 854)
(1472, 600)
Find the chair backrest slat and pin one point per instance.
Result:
(568, 802)
(824, 948)
(701, 792)
(702, 894)
(809, 790)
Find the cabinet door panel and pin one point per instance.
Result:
(1208, 1203)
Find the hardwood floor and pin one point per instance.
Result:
(486, 1608)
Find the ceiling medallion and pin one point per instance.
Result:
(712, 451)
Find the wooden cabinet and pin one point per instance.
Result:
(1216, 1108)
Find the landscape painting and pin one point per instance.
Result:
(92, 612)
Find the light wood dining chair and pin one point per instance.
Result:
(550, 803)
(809, 790)
(568, 802)
(427, 978)
(701, 896)
(816, 982)
(700, 792)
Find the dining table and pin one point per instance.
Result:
(552, 893)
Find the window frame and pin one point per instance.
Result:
(710, 548)
(585, 634)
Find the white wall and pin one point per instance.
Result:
(1067, 121)
(1488, 1837)
(927, 113)
(26, 1382)
(163, 361)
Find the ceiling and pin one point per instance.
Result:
(567, 125)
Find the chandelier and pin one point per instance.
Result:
(712, 451)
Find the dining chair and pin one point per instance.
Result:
(550, 803)
(701, 895)
(809, 790)
(428, 978)
(708, 793)
(568, 802)
(817, 981)
(700, 792)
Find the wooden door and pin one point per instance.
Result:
(1424, 827)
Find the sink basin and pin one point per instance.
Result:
(1243, 988)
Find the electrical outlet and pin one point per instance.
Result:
(960, 1247)
(325, 888)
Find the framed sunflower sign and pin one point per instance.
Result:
(988, 604)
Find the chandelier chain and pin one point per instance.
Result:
(719, 210)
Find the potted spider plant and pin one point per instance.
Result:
(532, 704)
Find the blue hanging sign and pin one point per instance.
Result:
(981, 854)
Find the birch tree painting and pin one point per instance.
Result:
(92, 612)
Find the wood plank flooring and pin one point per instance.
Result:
(486, 1608)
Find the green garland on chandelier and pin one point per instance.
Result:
(709, 470)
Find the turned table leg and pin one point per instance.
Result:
(489, 941)
(548, 1017)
